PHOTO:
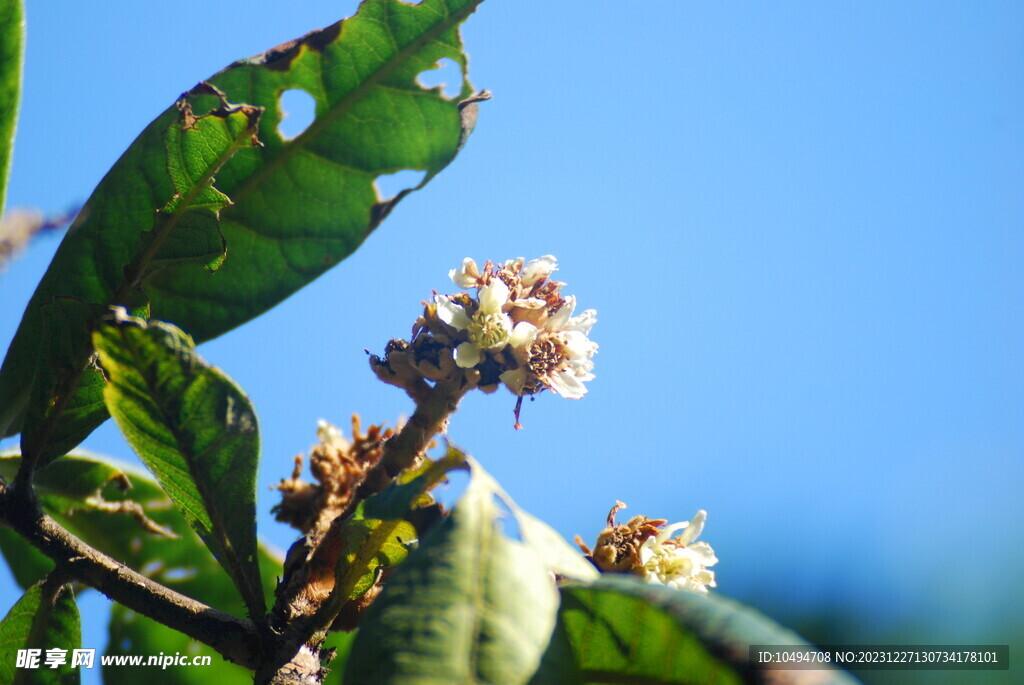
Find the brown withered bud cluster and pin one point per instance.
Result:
(511, 326)
(618, 546)
(340, 469)
(345, 472)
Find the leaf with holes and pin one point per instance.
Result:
(44, 619)
(195, 430)
(173, 215)
(471, 604)
(623, 630)
(297, 207)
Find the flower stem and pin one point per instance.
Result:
(430, 418)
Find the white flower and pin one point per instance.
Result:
(489, 327)
(537, 269)
(468, 276)
(680, 562)
(558, 353)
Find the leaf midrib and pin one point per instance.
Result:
(252, 596)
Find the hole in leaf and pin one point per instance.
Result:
(179, 574)
(446, 74)
(152, 568)
(298, 110)
(390, 185)
(506, 520)
(449, 492)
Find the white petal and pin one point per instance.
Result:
(514, 380)
(466, 276)
(493, 296)
(529, 303)
(666, 532)
(452, 314)
(523, 334)
(705, 577)
(467, 355)
(578, 345)
(567, 385)
(693, 586)
(704, 553)
(562, 316)
(647, 550)
(583, 323)
(536, 269)
(693, 531)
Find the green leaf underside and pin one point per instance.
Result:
(623, 630)
(377, 535)
(12, 45)
(40, 621)
(66, 398)
(470, 605)
(298, 207)
(27, 564)
(184, 564)
(195, 430)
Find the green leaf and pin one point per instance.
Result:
(623, 630)
(298, 206)
(196, 431)
(27, 564)
(470, 605)
(64, 399)
(12, 46)
(121, 511)
(377, 536)
(43, 619)
(112, 507)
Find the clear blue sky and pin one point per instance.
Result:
(801, 226)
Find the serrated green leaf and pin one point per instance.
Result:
(12, 46)
(623, 630)
(470, 605)
(299, 206)
(41, 620)
(196, 431)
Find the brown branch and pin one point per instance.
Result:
(296, 660)
(430, 418)
(236, 639)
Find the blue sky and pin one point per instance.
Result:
(800, 224)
